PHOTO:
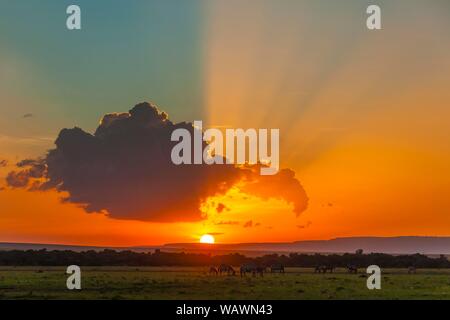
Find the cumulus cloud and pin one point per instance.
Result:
(28, 169)
(283, 186)
(125, 170)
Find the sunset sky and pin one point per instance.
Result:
(364, 116)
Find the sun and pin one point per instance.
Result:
(207, 238)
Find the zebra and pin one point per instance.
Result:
(253, 269)
(352, 269)
(225, 268)
(411, 270)
(323, 269)
(213, 270)
(277, 268)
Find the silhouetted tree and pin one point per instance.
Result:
(159, 258)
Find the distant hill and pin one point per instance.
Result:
(40, 246)
(391, 245)
(60, 247)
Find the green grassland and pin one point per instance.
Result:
(196, 283)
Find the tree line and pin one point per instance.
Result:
(158, 258)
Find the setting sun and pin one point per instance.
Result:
(207, 238)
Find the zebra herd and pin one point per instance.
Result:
(257, 270)
(328, 268)
(245, 269)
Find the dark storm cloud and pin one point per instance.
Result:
(282, 186)
(28, 170)
(17, 179)
(125, 170)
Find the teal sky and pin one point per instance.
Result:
(126, 52)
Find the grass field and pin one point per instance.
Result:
(195, 283)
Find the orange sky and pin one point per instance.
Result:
(364, 120)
